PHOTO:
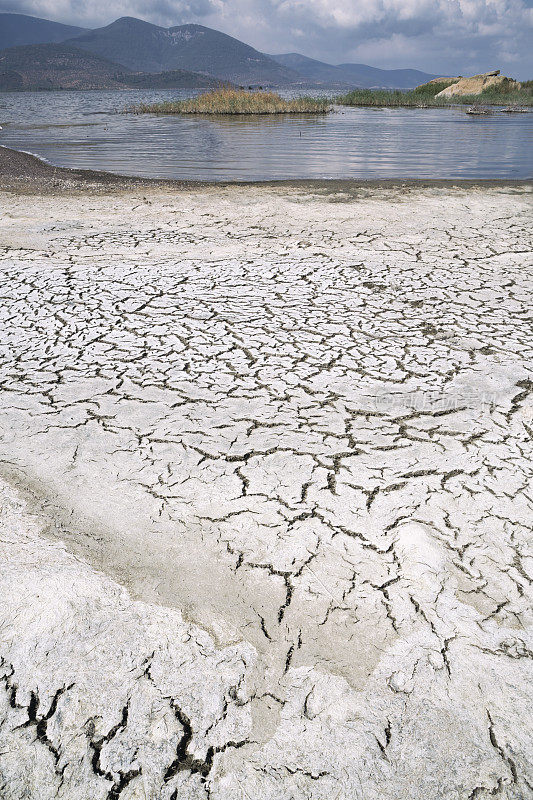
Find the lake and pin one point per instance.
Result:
(88, 130)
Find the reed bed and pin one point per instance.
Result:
(238, 101)
(383, 98)
(424, 96)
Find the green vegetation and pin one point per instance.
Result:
(431, 89)
(390, 99)
(237, 101)
(505, 94)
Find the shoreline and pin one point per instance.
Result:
(263, 475)
(23, 172)
(264, 457)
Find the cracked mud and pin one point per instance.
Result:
(266, 495)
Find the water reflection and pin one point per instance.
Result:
(358, 143)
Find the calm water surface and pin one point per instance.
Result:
(88, 130)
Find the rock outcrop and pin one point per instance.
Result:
(446, 78)
(477, 84)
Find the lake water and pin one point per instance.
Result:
(88, 130)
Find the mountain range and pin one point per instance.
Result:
(38, 53)
(353, 75)
(63, 66)
(149, 48)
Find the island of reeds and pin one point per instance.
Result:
(226, 100)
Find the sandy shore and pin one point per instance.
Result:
(265, 477)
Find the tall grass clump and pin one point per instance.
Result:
(505, 94)
(382, 98)
(237, 101)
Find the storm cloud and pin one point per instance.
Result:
(438, 36)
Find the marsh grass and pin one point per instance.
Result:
(237, 101)
(422, 96)
(381, 98)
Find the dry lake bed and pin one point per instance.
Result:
(266, 493)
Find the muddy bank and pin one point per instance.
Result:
(26, 173)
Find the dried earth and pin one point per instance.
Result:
(266, 494)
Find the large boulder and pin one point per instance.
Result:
(477, 84)
(445, 79)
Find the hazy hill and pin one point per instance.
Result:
(390, 78)
(149, 48)
(62, 66)
(170, 79)
(311, 70)
(352, 74)
(136, 44)
(51, 66)
(18, 29)
(204, 49)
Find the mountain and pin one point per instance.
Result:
(62, 66)
(387, 78)
(361, 75)
(311, 70)
(131, 42)
(18, 29)
(204, 49)
(142, 46)
(55, 66)
(170, 79)
(132, 45)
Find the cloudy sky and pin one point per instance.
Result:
(438, 36)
